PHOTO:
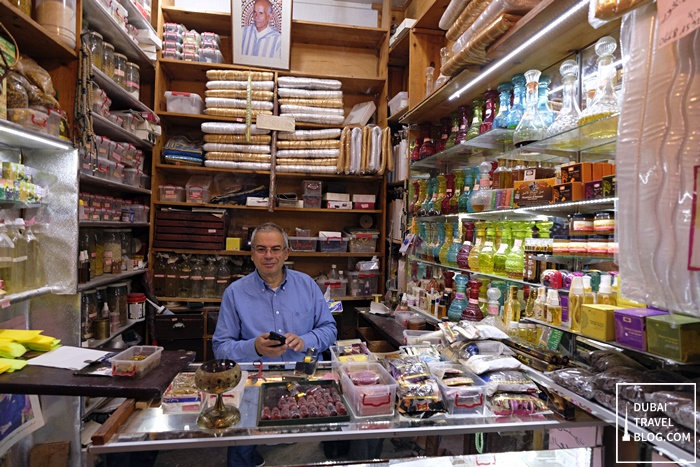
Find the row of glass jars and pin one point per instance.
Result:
(109, 250)
(115, 65)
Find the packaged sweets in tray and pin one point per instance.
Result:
(301, 403)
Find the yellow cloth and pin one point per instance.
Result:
(12, 350)
(18, 334)
(12, 364)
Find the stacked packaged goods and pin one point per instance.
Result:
(311, 100)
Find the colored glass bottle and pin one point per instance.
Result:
(473, 260)
(422, 194)
(499, 258)
(413, 192)
(422, 234)
(455, 247)
(530, 303)
(445, 129)
(424, 207)
(502, 176)
(459, 188)
(511, 309)
(439, 240)
(531, 127)
(515, 258)
(476, 120)
(463, 124)
(427, 148)
(454, 129)
(446, 207)
(467, 190)
(605, 101)
(543, 107)
(454, 313)
(472, 312)
(439, 196)
(489, 111)
(447, 242)
(504, 91)
(415, 152)
(568, 116)
(467, 243)
(481, 199)
(517, 109)
(487, 251)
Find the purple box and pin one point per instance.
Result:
(630, 326)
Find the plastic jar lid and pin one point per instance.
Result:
(136, 298)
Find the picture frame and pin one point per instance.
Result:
(20, 415)
(261, 31)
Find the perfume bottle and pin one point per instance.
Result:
(504, 90)
(530, 303)
(493, 294)
(454, 117)
(476, 120)
(439, 240)
(459, 188)
(454, 313)
(543, 107)
(481, 199)
(487, 251)
(413, 193)
(499, 258)
(463, 124)
(465, 249)
(445, 129)
(553, 309)
(446, 244)
(446, 206)
(415, 152)
(517, 109)
(473, 260)
(531, 127)
(568, 116)
(502, 176)
(472, 312)
(439, 196)
(425, 206)
(455, 247)
(511, 309)
(489, 111)
(427, 148)
(464, 205)
(605, 99)
(514, 258)
(575, 303)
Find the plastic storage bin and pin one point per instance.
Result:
(371, 399)
(197, 194)
(303, 243)
(312, 188)
(363, 240)
(339, 287)
(171, 193)
(29, 118)
(460, 400)
(398, 102)
(136, 361)
(333, 244)
(364, 283)
(183, 102)
(340, 356)
(415, 337)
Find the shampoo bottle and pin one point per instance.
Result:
(553, 308)
(606, 296)
(575, 303)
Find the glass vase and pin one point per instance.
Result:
(531, 127)
(568, 116)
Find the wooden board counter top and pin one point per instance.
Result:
(59, 382)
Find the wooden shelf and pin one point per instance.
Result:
(105, 279)
(198, 169)
(31, 37)
(113, 224)
(91, 180)
(431, 17)
(202, 252)
(359, 178)
(338, 35)
(180, 70)
(328, 211)
(399, 51)
(93, 343)
(572, 34)
(213, 21)
(104, 127)
(207, 205)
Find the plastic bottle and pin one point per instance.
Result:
(553, 308)
(333, 274)
(6, 255)
(575, 303)
(223, 275)
(530, 304)
(606, 296)
(538, 309)
(511, 312)
(35, 277)
(588, 294)
(172, 277)
(185, 274)
(197, 278)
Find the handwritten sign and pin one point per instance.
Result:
(676, 19)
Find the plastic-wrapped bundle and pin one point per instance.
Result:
(452, 12)
(291, 93)
(468, 16)
(245, 148)
(577, 380)
(298, 109)
(238, 165)
(235, 113)
(680, 406)
(306, 169)
(326, 119)
(308, 83)
(237, 139)
(237, 157)
(255, 85)
(602, 360)
(326, 103)
(221, 128)
(305, 135)
(239, 75)
(225, 103)
(319, 162)
(308, 153)
(239, 94)
(474, 51)
(495, 9)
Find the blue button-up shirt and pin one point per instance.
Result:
(250, 307)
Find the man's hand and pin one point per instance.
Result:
(269, 347)
(295, 342)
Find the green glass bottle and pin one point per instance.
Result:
(476, 119)
(439, 195)
(515, 258)
(499, 258)
(487, 251)
(473, 260)
(459, 188)
(439, 240)
(447, 242)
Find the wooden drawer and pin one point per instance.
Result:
(180, 326)
(189, 230)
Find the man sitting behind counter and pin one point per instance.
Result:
(272, 298)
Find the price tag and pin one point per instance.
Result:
(676, 19)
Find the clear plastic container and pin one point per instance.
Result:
(104, 147)
(341, 355)
(133, 80)
(120, 69)
(198, 194)
(192, 37)
(368, 399)
(171, 193)
(94, 41)
(411, 337)
(118, 173)
(183, 102)
(338, 287)
(190, 56)
(53, 124)
(108, 59)
(29, 118)
(398, 102)
(120, 14)
(211, 56)
(211, 37)
(145, 180)
(363, 284)
(105, 168)
(172, 54)
(136, 361)
(118, 153)
(58, 18)
(460, 400)
(303, 243)
(363, 243)
(172, 36)
(333, 244)
(173, 27)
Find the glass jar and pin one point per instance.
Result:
(25, 6)
(89, 310)
(581, 223)
(101, 294)
(99, 254)
(58, 18)
(112, 251)
(133, 80)
(116, 301)
(108, 59)
(578, 246)
(125, 237)
(94, 42)
(604, 222)
(120, 70)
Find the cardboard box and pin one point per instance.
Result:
(630, 326)
(533, 192)
(536, 173)
(609, 183)
(360, 113)
(363, 205)
(233, 244)
(598, 321)
(593, 189)
(674, 336)
(339, 205)
(582, 172)
(566, 192)
(257, 201)
(364, 198)
(336, 197)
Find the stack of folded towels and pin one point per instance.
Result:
(311, 100)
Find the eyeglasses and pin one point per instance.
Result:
(275, 250)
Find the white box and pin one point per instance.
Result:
(256, 201)
(360, 114)
(398, 102)
(339, 205)
(401, 30)
(183, 102)
(336, 197)
(364, 198)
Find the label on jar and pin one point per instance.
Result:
(135, 310)
(118, 72)
(582, 225)
(604, 225)
(133, 85)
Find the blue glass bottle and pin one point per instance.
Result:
(518, 108)
(543, 107)
(455, 246)
(503, 105)
(466, 192)
(425, 207)
(460, 301)
(440, 228)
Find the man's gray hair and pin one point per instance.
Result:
(269, 5)
(270, 227)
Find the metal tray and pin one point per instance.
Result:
(271, 392)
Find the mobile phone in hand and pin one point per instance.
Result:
(275, 336)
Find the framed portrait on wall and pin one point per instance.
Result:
(261, 32)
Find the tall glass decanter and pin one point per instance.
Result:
(504, 90)
(605, 100)
(463, 124)
(427, 148)
(459, 188)
(413, 192)
(543, 107)
(531, 127)
(439, 196)
(515, 258)
(476, 120)
(517, 109)
(473, 260)
(415, 151)
(487, 251)
(454, 313)
(425, 206)
(454, 117)
(439, 240)
(499, 258)
(472, 312)
(422, 194)
(568, 116)
(447, 243)
(423, 243)
(489, 111)
(449, 192)
(445, 129)
(481, 199)
(466, 248)
(455, 247)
